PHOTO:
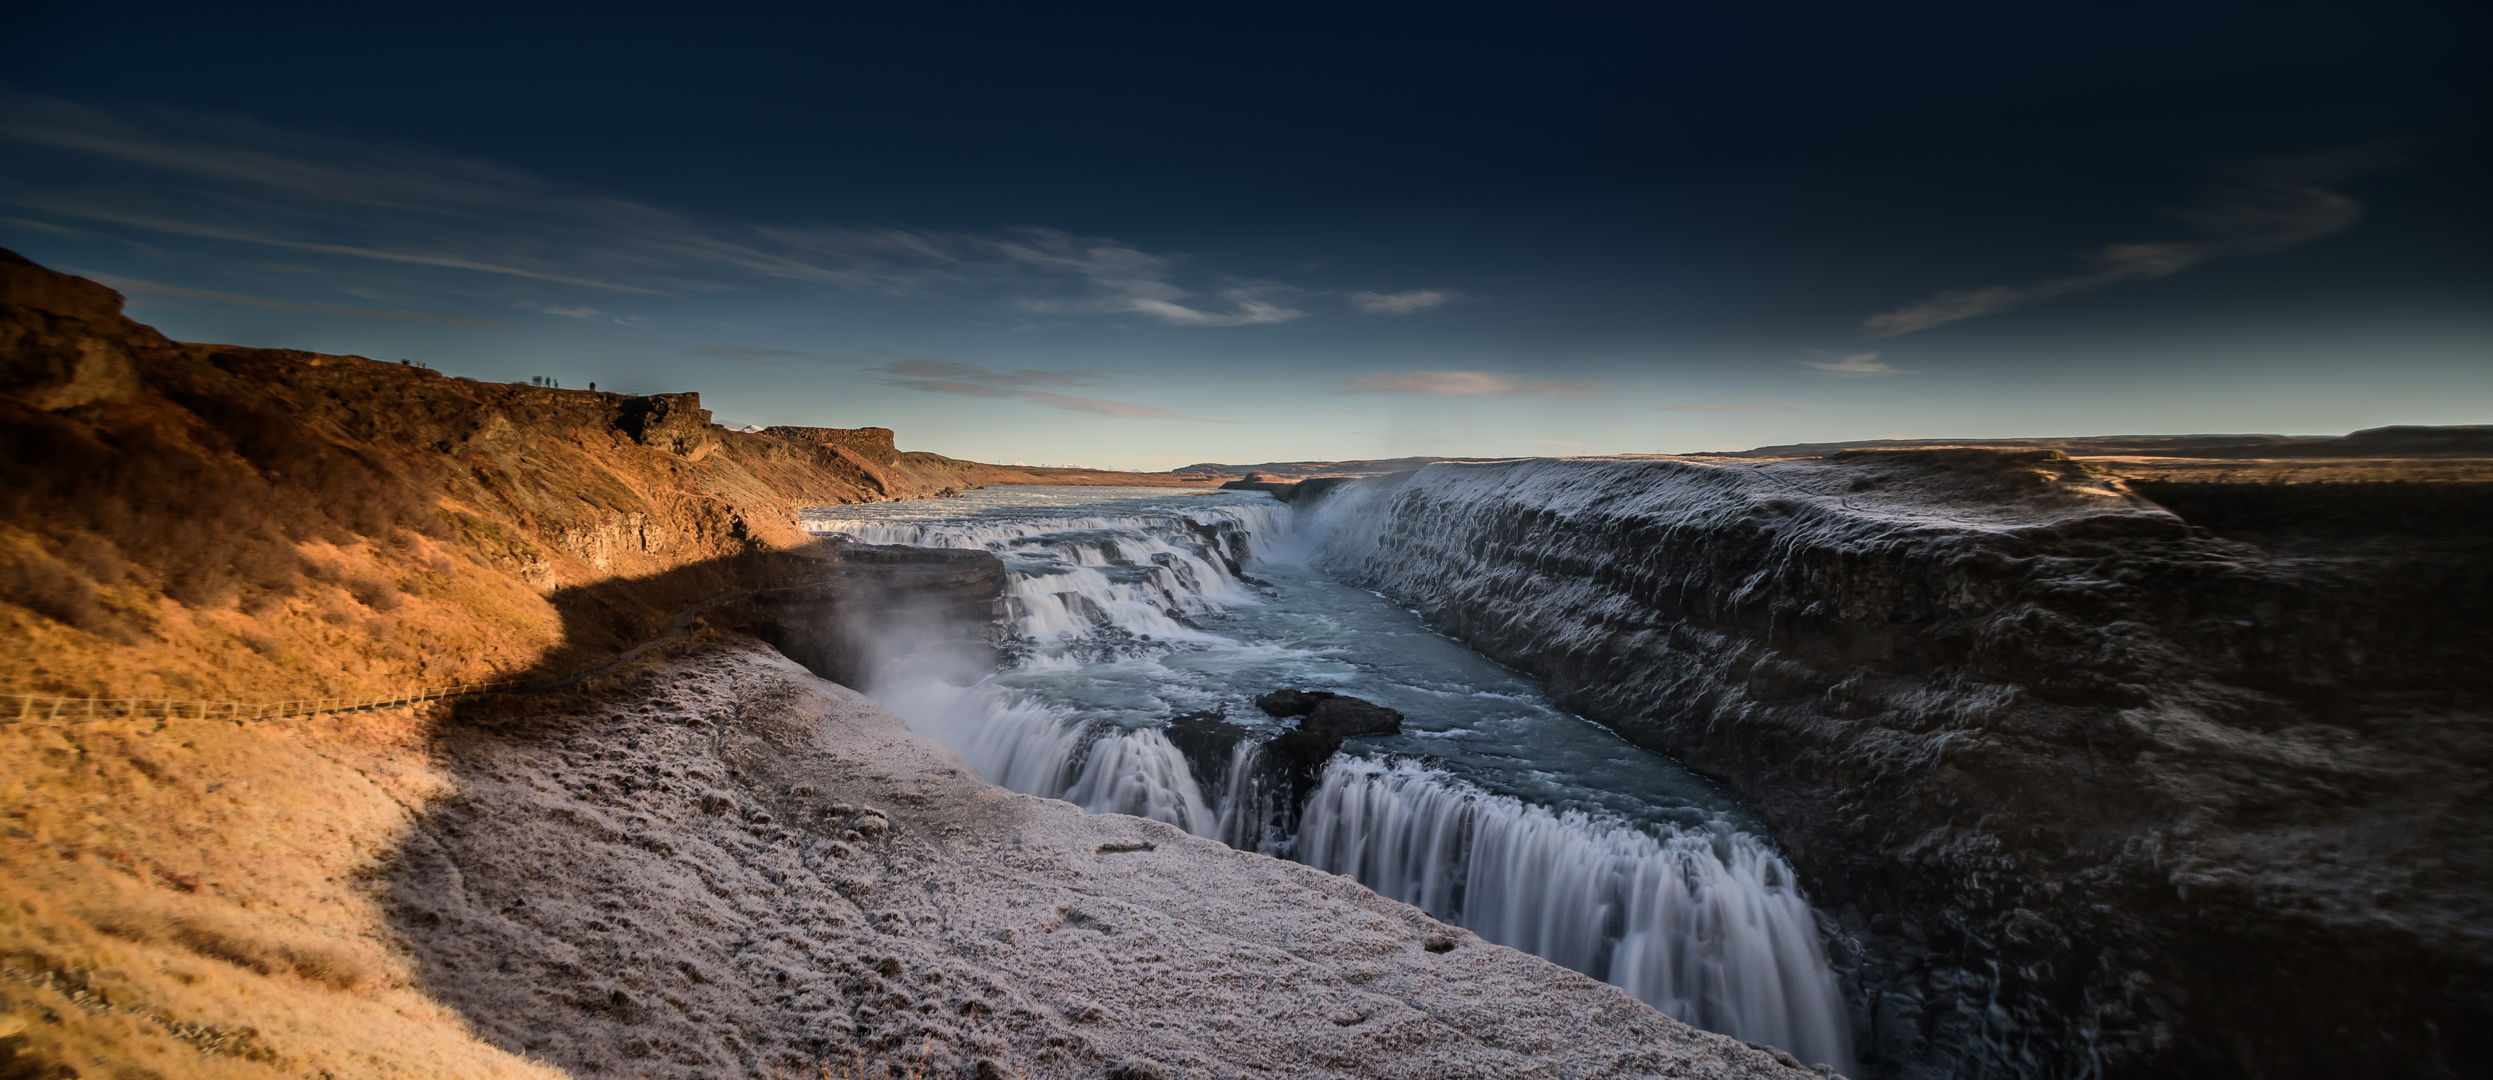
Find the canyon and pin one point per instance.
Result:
(2092, 788)
(713, 852)
(2144, 757)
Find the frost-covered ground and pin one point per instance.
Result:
(731, 867)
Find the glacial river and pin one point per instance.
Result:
(1494, 809)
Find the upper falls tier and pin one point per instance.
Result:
(2093, 790)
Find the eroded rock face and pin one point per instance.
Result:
(874, 444)
(889, 610)
(63, 342)
(675, 423)
(729, 867)
(2092, 790)
(1293, 762)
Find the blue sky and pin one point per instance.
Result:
(1136, 236)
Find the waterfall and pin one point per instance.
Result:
(1706, 925)
(1073, 581)
(1035, 748)
(1133, 575)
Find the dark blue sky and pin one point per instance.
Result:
(1148, 235)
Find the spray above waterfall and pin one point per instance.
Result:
(1140, 625)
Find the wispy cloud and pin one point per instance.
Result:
(150, 288)
(747, 353)
(1408, 302)
(47, 227)
(581, 312)
(1860, 365)
(1465, 384)
(948, 377)
(2257, 209)
(1748, 406)
(237, 182)
(1058, 273)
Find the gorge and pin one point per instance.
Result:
(2084, 760)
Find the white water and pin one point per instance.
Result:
(1530, 827)
(1706, 925)
(1023, 743)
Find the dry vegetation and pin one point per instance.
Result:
(190, 900)
(209, 522)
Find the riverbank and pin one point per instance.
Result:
(727, 864)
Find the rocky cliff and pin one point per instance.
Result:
(192, 521)
(184, 521)
(2095, 791)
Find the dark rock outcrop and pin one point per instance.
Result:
(888, 611)
(1206, 739)
(1294, 759)
(1279, 489)
(675, 423)
(63, 342)
(2091, 791)
(871, 443)
(1331, 716)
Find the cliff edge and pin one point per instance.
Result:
(2092, 789)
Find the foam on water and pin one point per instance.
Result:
(1028, 745)
(1531, 827)
(1705, 924)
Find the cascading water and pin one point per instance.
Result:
(1128, 608)
(1703, 924)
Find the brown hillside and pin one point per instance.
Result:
(216, 522)
(212, 521)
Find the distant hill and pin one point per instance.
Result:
(2406, 441)
(1304, 470)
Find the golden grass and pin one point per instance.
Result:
(193, 900)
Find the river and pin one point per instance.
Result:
(1130, 608)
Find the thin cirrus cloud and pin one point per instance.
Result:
(764, 356)
(1860, 365)
(1409, 302)
(1057, 272)
(150, 288)
(2261, 208)
(1465, 384)
(238, 182)
(1746, 406)
(948, 377)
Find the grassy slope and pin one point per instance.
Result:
(212, 522)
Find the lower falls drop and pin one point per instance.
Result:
(1494, 811)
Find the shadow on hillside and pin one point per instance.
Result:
(641, 781)
(842, 610)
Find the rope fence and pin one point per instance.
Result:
(42, 708)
